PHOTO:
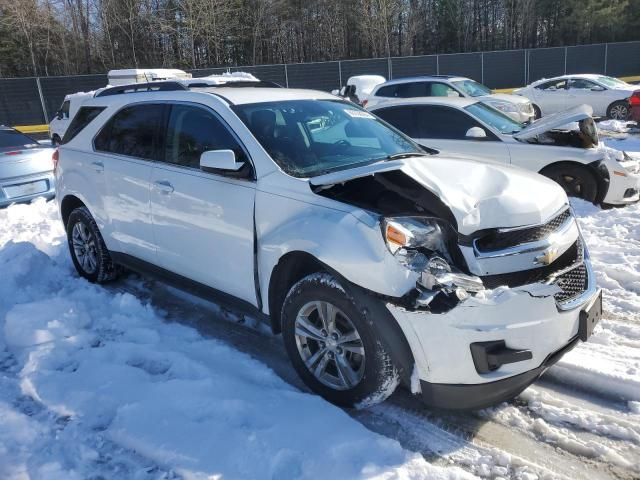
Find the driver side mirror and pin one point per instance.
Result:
(597, 88)
(219, 160)
(476, 133)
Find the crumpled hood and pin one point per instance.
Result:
(480, 194)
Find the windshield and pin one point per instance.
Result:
(313, 137)
(12, 139)
(471, 88)
(495, 118)
(611, 82)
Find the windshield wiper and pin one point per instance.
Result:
(398, 156)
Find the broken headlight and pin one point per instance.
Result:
(420, 244)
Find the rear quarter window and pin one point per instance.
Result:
(83, 118)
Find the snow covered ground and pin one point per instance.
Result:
(135, 380)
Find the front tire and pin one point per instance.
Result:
(87, 248)
(537, 113)
(331, 346)
(618, 110)
(576, 181)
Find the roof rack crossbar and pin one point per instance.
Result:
(143, 87)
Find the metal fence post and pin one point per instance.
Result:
(566, 49)
(437, 64)
(44, 106)
(286, 76)
(340, 72)
(482, 67)
(389, 68)
(606, 53)
(526, 66)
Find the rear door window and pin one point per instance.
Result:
(387, 91)
(83, 118)
(194, 130)
(133, 131)
(412, 89)
(443, 90)
(401, 117)
(553, 85)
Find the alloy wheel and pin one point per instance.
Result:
(84, 247)
(330, 345)
(619, 112)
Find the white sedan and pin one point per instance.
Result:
(569, 154)
(607, 96)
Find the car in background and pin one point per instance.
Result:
(572, 157)
(634, 106)
(62, 118)
(26, 168)
(607, 96)
(376, 260)
(359, 87)
(449, 86)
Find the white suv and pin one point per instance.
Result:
(379, 262)
(518, 108)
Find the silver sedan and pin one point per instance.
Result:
(26, 168)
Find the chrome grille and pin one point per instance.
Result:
(498, 240)
(572, 282)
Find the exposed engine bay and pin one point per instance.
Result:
(584, 136)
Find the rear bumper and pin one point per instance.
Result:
(24, 189)
(635, 113)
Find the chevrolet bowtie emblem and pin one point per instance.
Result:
(547, 257)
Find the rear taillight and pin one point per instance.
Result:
(634, 100)
(54, 158)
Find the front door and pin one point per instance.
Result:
(203, 222)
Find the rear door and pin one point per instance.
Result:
(551, 96)
(202, 221)
(125, 149)
(586, 92)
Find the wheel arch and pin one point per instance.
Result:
(610, 106)
(295, 265)
(596, 169)
(68, 204)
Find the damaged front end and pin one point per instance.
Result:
(450, 268)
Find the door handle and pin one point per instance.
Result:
(164, 186)
(98, 166)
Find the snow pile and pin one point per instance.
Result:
(615, 126)
(610, 361)
(96, 383)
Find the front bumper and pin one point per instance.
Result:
(26, 188)
(521, 117)
(624, 184)
(525, 318)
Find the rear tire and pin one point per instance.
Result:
(576, 181)
(618, 110)
(331, 346)
(88, 251)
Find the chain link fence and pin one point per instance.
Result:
(33, 101)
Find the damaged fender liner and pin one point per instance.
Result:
(482, 395)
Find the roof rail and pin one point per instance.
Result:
(232, 84)
(142, 87)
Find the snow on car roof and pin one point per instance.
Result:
(239, 96)
(590, 76)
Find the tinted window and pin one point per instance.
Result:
(553, 85)
(388, 91)
(13, 139)
(65, 109)
(494, 118)
(400, 117)
(83, 118)
(443, 90)
(132, 131)
(311, 137)
(471, 88)
(194, 130)
(443, 122)
(581, 84)
(413, 89)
